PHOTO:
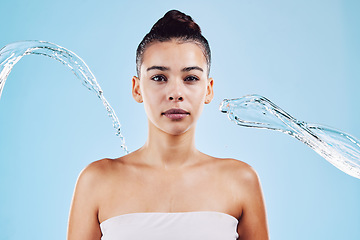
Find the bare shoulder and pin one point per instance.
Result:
(83, 218)
(241, 172)
(249, 203)
(97, 172)
(101, 166)
(95, 169)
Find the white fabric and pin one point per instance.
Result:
(173, 226)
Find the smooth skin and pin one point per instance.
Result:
(168, 171)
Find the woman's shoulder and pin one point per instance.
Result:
(99, 166)
(238, 170)
(242, 178)
(98, 171)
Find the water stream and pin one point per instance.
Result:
(339, 148)
(13, 52)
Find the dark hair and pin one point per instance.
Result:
(174, 25)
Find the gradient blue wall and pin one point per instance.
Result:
(303, 55)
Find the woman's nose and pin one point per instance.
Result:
(175, 92)
(180, 98)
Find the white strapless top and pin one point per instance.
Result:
(170, 226)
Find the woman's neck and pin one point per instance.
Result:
(170, 151)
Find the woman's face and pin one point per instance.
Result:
(173, 85)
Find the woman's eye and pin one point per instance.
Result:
(159, 78)
(191, 79)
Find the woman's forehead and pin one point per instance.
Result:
(173, 54)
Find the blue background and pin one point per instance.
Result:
(304, 55)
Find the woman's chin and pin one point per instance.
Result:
(177, 130)
(173, 128)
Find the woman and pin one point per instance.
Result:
(168, 189)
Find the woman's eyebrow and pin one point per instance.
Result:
(188, 69)
(161, 68)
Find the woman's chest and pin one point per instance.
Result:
(176, 192)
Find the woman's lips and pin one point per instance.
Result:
(176, 113)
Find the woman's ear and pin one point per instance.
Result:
(136, 89)
(209, 91)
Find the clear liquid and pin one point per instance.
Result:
(339, 148)
(13, 52)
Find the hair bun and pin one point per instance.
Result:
(175, 21)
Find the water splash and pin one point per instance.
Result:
(339, 148)
(13, 52)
